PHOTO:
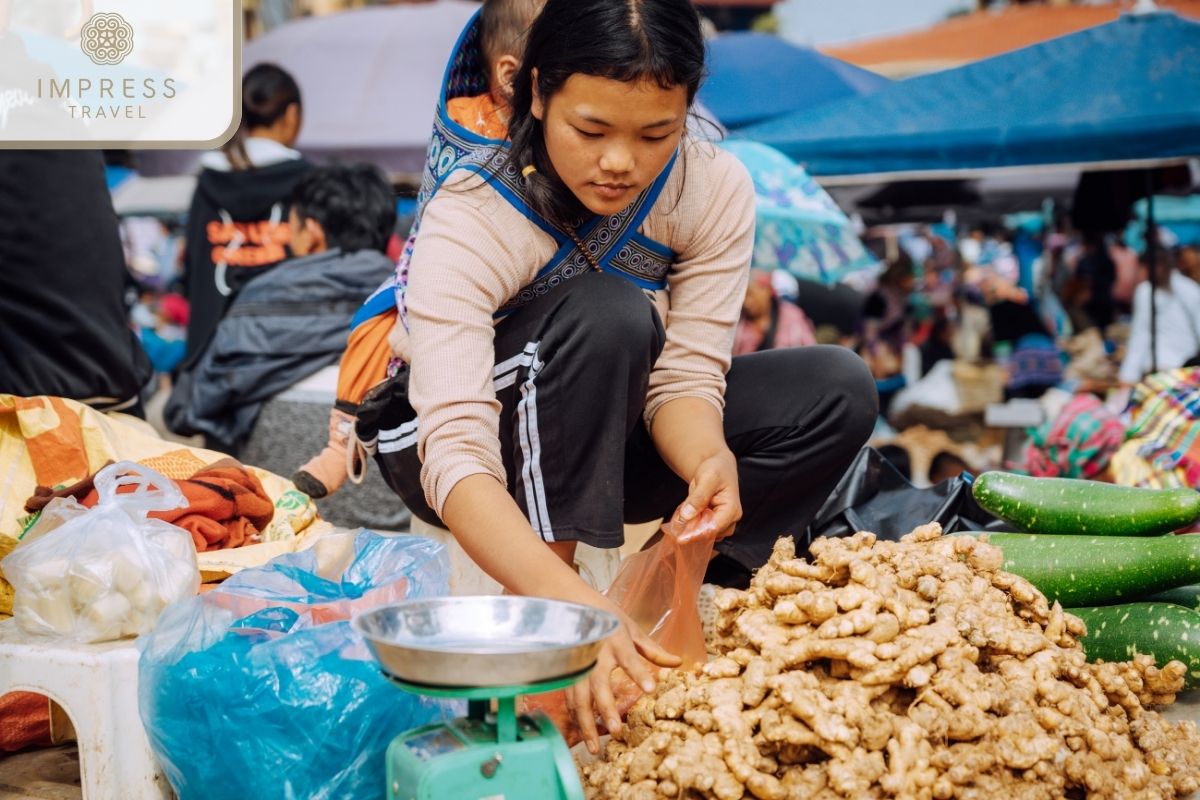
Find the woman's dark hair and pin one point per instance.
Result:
(625, 40)
(267, 91)
(354, 205)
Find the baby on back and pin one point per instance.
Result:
(504, 25)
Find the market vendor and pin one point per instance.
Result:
(567, 320)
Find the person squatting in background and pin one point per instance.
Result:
(768, 321)
(288, 323)
(1079, 442)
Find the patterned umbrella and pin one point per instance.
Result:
(799, 228)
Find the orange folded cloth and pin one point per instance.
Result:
(227, 505)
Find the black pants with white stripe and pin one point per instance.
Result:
(572, 372)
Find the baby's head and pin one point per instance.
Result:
(504, 26)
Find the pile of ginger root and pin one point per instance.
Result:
(915, 669)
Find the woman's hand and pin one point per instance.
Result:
(628, 649)
(690, 436)
(496, 535)
(714, 485)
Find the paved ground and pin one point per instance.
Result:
(51, 774)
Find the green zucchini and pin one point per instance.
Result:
(1180, 596)
(1167, 632)
(1095, 570)
(1065, 505)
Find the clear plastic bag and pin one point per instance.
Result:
(107, 572)
(339, 576)
(659, 588)
(287, 701)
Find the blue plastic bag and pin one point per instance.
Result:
(278, 703)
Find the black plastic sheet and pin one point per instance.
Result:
(874, 496)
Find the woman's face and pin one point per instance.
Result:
(609, 140)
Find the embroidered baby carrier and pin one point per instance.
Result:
(613, 243)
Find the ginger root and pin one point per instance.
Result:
(914, 669)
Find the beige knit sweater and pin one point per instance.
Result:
(476, 251)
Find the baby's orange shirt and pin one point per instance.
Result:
(481, 115)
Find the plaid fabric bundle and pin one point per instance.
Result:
(1165, 409)
(1130, 469)
(1078, 443)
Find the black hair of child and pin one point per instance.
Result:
(354, 204)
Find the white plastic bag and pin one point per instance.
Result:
(106, 572)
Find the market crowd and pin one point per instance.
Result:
(254, 292)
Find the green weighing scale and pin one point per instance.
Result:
(484, 650)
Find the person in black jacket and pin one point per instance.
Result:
(291, 322)
(237, 226)
(63, 324)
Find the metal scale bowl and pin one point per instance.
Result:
(484, 649)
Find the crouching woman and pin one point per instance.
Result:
(568, 321)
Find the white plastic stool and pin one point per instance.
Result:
(96, 684)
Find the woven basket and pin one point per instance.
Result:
(979, 385)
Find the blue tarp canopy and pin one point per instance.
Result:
(1128, 91)
(1180, 216)
(755, 77)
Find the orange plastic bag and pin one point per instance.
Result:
(659, 588)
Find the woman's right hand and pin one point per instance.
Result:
(495, 533)
(632, 651)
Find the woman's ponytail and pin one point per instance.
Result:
(267, 93)
(545, 192)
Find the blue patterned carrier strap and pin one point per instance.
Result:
(613, 242)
